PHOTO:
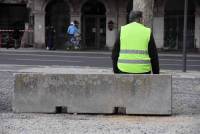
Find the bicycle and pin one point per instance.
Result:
(73, 43)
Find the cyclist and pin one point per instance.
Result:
(71, 32)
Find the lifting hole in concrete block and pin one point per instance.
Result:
(61, 109)
(119, 110)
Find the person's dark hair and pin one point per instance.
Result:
(135, 16)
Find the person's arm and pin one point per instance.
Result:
(115, 53)
(68, 30)
(153, 54)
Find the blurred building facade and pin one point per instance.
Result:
(100, 20)
(169, 20)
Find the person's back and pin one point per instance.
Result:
(72, 30)
(135, 50)
(137, 30)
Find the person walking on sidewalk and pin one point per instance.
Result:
(50, 37)
(134, 50)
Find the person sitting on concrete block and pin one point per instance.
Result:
(135, 50)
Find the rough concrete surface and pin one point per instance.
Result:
(92, 93)
(186, 94)
(6, 91)
(97, 124)
(185, 86)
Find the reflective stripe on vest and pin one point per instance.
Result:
(133, 56)
(133, 52)
(134, 61)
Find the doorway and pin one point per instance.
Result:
(58, 16)
(174, 22)
(93, 25)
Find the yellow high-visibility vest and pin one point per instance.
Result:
(134, 57)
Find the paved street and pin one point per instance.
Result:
(175, 61)
(84, 58)
(62, 58)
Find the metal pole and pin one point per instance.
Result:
(0, 39)
(185, 36)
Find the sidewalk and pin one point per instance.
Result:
(97, 124)
(33, 50)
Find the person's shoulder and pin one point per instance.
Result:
(147, 27)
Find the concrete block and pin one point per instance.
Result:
(6, 91)
(186, 94)
(92, 93)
